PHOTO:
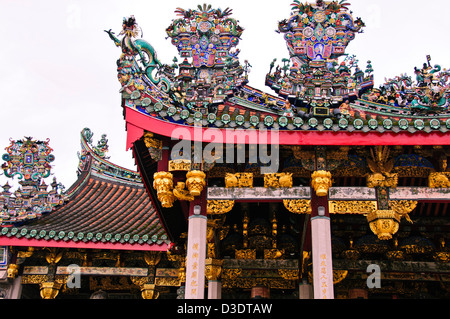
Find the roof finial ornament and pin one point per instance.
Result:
(28, 160)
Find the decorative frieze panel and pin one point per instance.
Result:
(239, 180)
(258, 193)
(352, 207)
(439, 180)
(219, 207)
(301, 206)
(279, 180)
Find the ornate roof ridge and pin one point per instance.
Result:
(311, 86)
(93, 159)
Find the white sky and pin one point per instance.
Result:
(59, 67)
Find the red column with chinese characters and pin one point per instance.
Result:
(196, 250)
(321, 249)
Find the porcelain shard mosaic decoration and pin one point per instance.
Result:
(28, 160)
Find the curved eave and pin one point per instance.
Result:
(127, 176)
(137, 122)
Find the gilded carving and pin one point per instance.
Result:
(25, 254)
(13, 270)
(168, 282)
(239, 180)
(403, 208)
(381, 167)
(152, 142)
(49, 290)
(153, 145)
(163, 184)
(248, 283)
(413, 171)
(213, 268)
(351, 253)
(245, 254)
(439, 180)
(278, 180)
(53, 255)
(443, 253)
(382, 180)
(289, 274)
(149, 291)
(182, 273)
(195, 182)
(139, 281)
(179, 165)
(33, 279)
(306, 258)
(339, 275)
(231, 274)
(442, 256)
(301, 206)
(152, 258)
(321, 182)
(181, 193)
(384, 223)
(303, 154)
(352, 207)
(396, 253)
(219, 207)
(273, 253)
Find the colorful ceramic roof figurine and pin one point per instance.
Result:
(428, 95)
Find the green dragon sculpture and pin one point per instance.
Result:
(133, 46)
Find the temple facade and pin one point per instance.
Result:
(326, 187)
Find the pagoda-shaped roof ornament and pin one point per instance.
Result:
(317, 35)
(210, 71)
(208, 38)
(319, 31)
(28, 160)
(206, 35)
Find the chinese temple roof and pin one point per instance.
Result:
(107, 207)
(319, 88)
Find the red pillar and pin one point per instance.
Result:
(321, 248)
(196, 249)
